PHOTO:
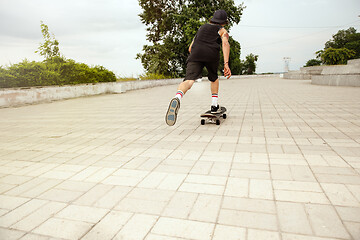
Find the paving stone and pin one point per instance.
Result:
(254, 234)
(101, 175)
(11, 234)
(206, 208)
(183, 228)
(250, 205)
(339, 195)
(39, 216)
(81, 213)
(325, 221)
(31, 236)
(145, 206)
(13, 179)
(229, 233)
(237, 187)
(297, 186)
(261, 189)
(60, 195)
(41, 188)
(112, 197)
(63, 228)
(293, 218)
(355, 190)
(288, 236)
(180, 205)
(152, 236)
(137, 227)
(109, 226)
(349, 213)
(304, 197)
(248, 219)
(354, 229)
(19, 213)
(202, 188)
(10, 202)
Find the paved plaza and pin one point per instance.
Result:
(284, 165)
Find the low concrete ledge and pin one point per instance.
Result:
(22, 96)
(337, 80)
(314, 70)
(354, 62)
(339, 75)
(296, 75)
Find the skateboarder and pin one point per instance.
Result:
(204, 52)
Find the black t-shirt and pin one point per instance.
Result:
(206, 46)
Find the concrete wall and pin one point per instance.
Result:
(21, 96)
(337, 80)
(339, 75)
(297, 75)
(314, 70)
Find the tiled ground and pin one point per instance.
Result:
(285, 165)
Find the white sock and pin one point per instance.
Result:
(215, 98)
(179, 94)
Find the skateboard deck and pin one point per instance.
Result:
(213, 117)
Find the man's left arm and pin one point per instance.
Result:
(226, 52)
(191, 46)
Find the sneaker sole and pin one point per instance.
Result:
(171, 114)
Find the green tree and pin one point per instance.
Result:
(340, 38)
(50, 48)
(172, 25)
(249, 65)
(334, 56)
(349, 39)
(354, 44)
(343, 46)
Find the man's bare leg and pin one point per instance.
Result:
(185, 85)
(215, 87)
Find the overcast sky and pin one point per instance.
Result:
(109, 32)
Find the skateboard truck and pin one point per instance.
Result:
(213, 117)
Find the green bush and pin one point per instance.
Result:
(313, 62)
(53, 71)
(153, 76)
(336, 56)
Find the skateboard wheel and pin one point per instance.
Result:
(202, 121)
(218, 122)
(224, 116)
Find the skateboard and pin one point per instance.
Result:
(213, 117)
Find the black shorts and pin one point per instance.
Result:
(194, 70)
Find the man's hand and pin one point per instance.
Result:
(227, 71)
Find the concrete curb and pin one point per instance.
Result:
(23, 96)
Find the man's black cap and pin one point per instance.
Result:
(219, 17)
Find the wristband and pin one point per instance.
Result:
(226, 63)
